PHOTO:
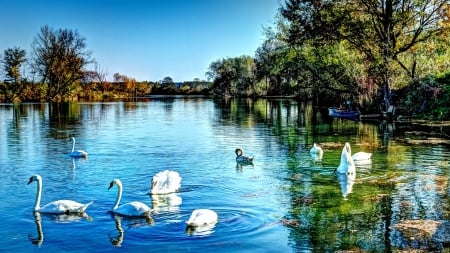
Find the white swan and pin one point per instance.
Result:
(77, 153)
(241, 158)
(58, 206)
(362, 158)
(165, 182)
(346, 165)
(202, 217)
(316, 152)
(132, 209)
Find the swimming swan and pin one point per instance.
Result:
(316, 152)
(77, 153)
(362, 158)
(202, 217)
(132, 209)
(58, 206)
(165, 182)
(241, 158)
(346, 165)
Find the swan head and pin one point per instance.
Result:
(34, 178)
(114, 182)
(239, 151)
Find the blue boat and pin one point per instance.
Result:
(343, 113)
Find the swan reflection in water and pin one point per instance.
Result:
(58, 218)
(200, 231)
(69, 218)
(346, 182)
(40, 233)
(166, 202)
(131, 222)
(240, 166)
(118, 240)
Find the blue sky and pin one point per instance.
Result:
(146, 39)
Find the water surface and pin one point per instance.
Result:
(285, 202)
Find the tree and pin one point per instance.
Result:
(100, 76)
(167, 80)
(59, 58)
(233, 76)
(379, 30)
(128, 84)
(12, 62)
(384, 30)
(314, 58)
(269, 63)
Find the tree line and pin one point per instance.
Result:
(58, 70)
(375, 53)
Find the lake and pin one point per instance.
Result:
(285, 202)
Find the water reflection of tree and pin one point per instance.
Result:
(21, 117)
(325, 222)
(62, 115)
(281, 116)
(329, 222)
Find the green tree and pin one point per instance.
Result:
(381, 31)
(233, 76)
(12, 63)
(59, 58)
(269, 64)
(310, 29)
(385, 30)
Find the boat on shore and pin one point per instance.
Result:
(343, 113)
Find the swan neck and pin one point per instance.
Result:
(38, 195)
(119, 195)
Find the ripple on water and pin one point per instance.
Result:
(233, 227)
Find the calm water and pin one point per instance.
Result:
(284, 203)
